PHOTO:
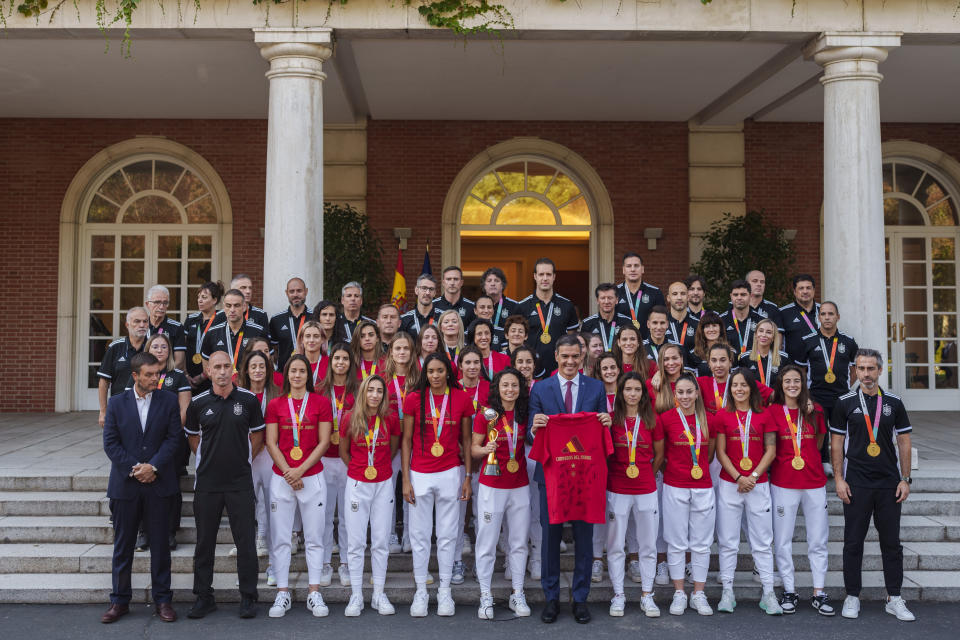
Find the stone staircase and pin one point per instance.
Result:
(56, 546)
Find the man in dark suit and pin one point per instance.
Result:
(567, 392)
(141, 435)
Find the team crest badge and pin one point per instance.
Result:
(238, 409)
(690, 331)
(273, 507)
(462, 311)
(610, 516)
(354, 506)
(645, 298)
(841, 348)
(245, 341)
(780, 511)
(487, 517)
(556, 312)
(168, 382)
(887, 411)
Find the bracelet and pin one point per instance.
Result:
(739, 475)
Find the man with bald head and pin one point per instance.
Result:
(761, 306)
(683, 323)
(285, 326)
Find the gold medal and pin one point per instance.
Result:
(696, 472)
(746, 464)
(798, 463)
(197, 358)
(545, 337)
(632, 471)
(436, 450)
(513, 466)
(296, 453)
(831, 377)
(370, 472)
(873, 449)
(335, 438)
(636, 324)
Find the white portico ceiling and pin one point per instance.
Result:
(221, 75)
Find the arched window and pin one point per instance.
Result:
(917, 195)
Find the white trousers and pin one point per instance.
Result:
(661, 543)
(785, 504)
(600, 537)
(335, 473)
(441, 492)
(510, 507)
(368, 503)
(284, 502)
(262, 471)
(731, 506)
(688, 520)
(536, 533)
(462, 513)
(644, 512)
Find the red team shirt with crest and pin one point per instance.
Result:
(347, 400)
(617, 479)
(760, 423)
(382, 461)
(459, 406)
(317, 411)
(676, 450)
(782, 472)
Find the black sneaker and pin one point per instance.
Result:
(202, 607)
(248, 607)
(788, 602)
(822, 604)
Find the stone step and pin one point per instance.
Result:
(96, 558)
(95, 588)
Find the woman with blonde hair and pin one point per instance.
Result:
(451, 335)
(310, 342)
(765, 358)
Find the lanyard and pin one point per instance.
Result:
(202, 333)
(545, 324)
(337, 407)
(803, 314)
(608, 342)
(633, 303)
(694, 449)
(371, 437)
(719, 401)
(744, 430)
(346, 326)
(160, 383)
(496, 316)
(416, 320)
(746, 334)
(363, 369)
(293, 333)
(316, 371)
(512, 435)
(401, 395)
(872, 429)
(610, 399)
(632, 438)
(796, 432)
(833, 353)
(764, 376)
(297, 420)
(231, 349)
(438, 418)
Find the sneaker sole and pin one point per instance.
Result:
(850, 617)
(446, 614)
(271, 614)
(678, 613)
(894, 614)
(616, 614)
(418, 615)
(652, 613)
(386, 612)
(351, 614)
(596, 579)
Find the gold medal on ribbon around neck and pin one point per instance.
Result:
(798, 463)
(633, 471)
(545, 337)
(370, 472)
(831, 377)
(636, 324)
(436, 450)
(334, 438)
(296, 453)
(873, 449)
(746, 464)
(197, 358)
(696, 472)
(513, 466)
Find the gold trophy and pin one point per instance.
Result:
(492, 468)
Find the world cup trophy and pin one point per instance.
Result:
(492, 468)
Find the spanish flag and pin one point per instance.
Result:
(399, 297)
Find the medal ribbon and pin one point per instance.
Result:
(764, 376)
(632, 438)
(371, 439)
(489, 366)
(293, 333)
(438, 418)
(337, 406)
(803, 314)
(742, 337)
(796, 432)
(511, 436)
(416, 320)
(872, 429)
(316, 371)
(297, 420)
(160, 383)
(694, 450)
(833, 353)
(633, 303)
(608, 342)
(744, 433)
(200, 334)
(545, 325)
(610, 402)
(717, 399)
(230, 348)
(363, 369)
(496, 316)
(476, 396)
(263, 402)
(401, 395)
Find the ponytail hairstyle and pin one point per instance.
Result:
(216, 291)
(699, 408)
(803, 400)
(423, 385)
(755, 400)
(521, 408)
(644, 410)
(639, 360)
(297, 357)
(665, 399)
(413, 369)
(326, 385)
(361, 414)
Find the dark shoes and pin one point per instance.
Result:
(581, 613)
(114, 613)
(142, 543)
(248, 607)
(166, 612)
(202, 607)
(550, 612)
(173, 541)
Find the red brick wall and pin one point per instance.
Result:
(38, 159)
(411, 165)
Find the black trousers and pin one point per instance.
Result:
(882, 506)
(827, 404)
(208, 510)
(152, 512)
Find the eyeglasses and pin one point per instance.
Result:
(159, 303)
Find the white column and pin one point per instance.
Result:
(853, 255)
(293, 224)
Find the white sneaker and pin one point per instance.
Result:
(851, 607)
(728, 602)
(535, 568)
(316, 605)
(897, 606)
(485, 610)
(326, 575)
(262, 550)
(688, 573)
(294, 543)
(336, 548)
(596, 573)
(663, 575)
(445, 604)
(281, 604)
(518, 604)
(457, 576)
(617, 605)
(467, 547)
(507, 573)
(418, 608)
(407, 547)
(777, 580)
(343, 572)
(698, 602)
(354, 607)
(768, 602)
(381, 604)
(649, 607)
(233, 553)
(394, 545)
(563, 547)
(633, 570)
(679, 604)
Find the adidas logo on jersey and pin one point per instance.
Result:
(857, 410)
(209, 412)
(796, 320)
(219, 343)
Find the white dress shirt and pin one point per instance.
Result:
(143, 407)
(574, 390)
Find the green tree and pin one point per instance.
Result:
(737, 244)
(352, 251)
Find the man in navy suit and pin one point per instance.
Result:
(141, 435)
(567, 392)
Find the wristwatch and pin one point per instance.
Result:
(755, 476)
(906, 479)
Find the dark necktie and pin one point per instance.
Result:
(568, 397)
